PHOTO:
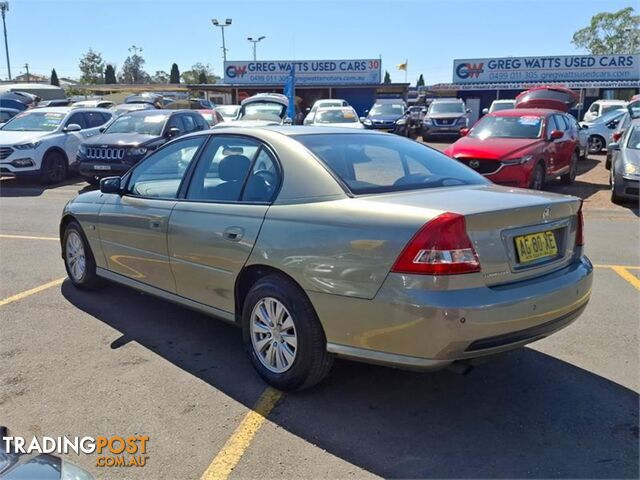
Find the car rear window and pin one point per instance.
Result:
(368, 163)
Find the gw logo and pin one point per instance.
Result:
(234, 71)
(466, 70)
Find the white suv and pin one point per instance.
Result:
(44, 141)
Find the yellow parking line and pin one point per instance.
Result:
(628, 267)
(28, 237)
(224, 463)
(627, 275)
(27, 293)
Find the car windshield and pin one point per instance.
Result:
(496, 107)
(368, 163)
(343, 115)
(387, 109)
(34, 122)
(269, 111)
(229, 111)
(447, 107)
(634, 139)
(526, 126)
(611, 115)
(150, 124)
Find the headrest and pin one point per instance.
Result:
(233, 168)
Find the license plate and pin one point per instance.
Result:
(102, 167)
(536, 246)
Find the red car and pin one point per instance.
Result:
(522, 147)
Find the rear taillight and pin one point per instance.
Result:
(441, 247)
(615, 136)
(580, 228)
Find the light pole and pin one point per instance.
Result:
(4, 8)
(222, 26)
(255, 41)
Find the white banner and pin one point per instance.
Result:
(547, 69)
(308, 72)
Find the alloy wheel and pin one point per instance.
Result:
(273, 335)
(75, 256)
(595, 144)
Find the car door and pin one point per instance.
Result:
(567, 143)
(89, 122)
(133, 226)
(214, 228)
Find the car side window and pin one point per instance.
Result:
(175, 121)
(78, 119)
(160, 175)
(561, 122)
(94, 119)
(231, 169)
(189, 123)
(201, 124)
(551, 124)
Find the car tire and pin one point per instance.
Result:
(570, 177)
(595, 144)
(78, 258)
(54, 168)
(537, 177)
(295, 338)
(615, 198)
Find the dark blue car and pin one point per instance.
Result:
(384, 116)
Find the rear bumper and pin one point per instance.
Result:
(408, 325)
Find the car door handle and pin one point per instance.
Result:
(233, 234)
(155, 224)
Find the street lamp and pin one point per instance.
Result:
(226, 23)
(255, 41)
(4, 8)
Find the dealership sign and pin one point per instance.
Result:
(547, 69)
(308, 72)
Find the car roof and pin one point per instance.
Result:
(520, 112)
(335, 107)
(156, 111)
(65, 110)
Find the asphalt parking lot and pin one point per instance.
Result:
(120, 362)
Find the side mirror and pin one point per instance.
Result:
(468, 110)
(485, 111)
(173, 132)
(464, 131)
(288, 121)
(102, 129)
(613, 147)
(555, 135)
(72, 127)
(110, 185)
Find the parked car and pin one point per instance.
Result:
(600, 107)
(624, 174)
(153, 99)
(322, 243)
(632, 113)
(228, 112)
(599, 131)
(43, 142)
(93, 104)
(190, 104)
(384, 114)
(445, 116)
(264, 108)
(498, 105)
(212, 117)
(7, 113)
(130, 137)
(345, 117)
(58, 102)
(335, 102)
(130, 107)
(520, 147)
(18, 100)
(583, 137)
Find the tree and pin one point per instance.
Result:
(132, 69)
(195, 74)
(420, 82)
(387, 77)
(610, 33)
(110, 74)
(160, 77)
(54, 78)
(91, 67)
(175, 74)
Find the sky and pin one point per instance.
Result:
(429, 34)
